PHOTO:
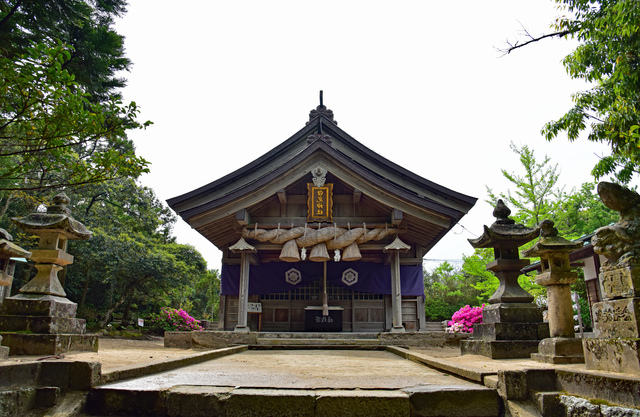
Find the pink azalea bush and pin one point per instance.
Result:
(464, 319)
(171, 320)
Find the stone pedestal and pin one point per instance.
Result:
(559, 350)
(33, 324)
(616, 346)
(509, 330)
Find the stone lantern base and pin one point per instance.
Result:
(35, 324)
(559, 350)
(509, 331)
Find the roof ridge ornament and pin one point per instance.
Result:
(321, 110)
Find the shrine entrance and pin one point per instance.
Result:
(285, 311)
(322, 211)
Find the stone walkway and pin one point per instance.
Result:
(300, 369)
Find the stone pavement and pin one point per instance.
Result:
(340, 380)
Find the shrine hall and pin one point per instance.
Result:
(322, 234)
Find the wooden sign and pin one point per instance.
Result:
(320, 203)
(254, 308)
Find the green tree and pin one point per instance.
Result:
(607, 57)
(475, 266)
(85, 26)
(534, 196)
(207, 297)
(52, 136)
(582, 212)
(62, 124)
(446, 291)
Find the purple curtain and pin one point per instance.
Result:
(371, 278)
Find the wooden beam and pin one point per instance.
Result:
(286, 222)
(396, 217)
(282, 196)
(357, 196)
(243, 218)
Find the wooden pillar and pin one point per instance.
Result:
(396, 294)
(243, 295)
(395, 248)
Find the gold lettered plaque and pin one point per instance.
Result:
(320, 203)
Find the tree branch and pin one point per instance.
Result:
(511, 47)
(13, 10)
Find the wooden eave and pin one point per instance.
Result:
(242, 176)
(431, 209)
(345, 169)
(344, 144)
(373, 161)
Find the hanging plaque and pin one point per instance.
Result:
(320, 203)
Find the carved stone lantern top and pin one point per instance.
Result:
(553, 251)
(505, 235)
(8, 249)
(57, 219)
(550, 242)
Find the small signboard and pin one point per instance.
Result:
(254, 308)
(320, 203)
(141, 322)
(314, 321)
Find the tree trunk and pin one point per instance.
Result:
(83, 297)
(5, 207)
(127, 309)
(107, 316)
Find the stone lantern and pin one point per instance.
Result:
(40, 320)
(512, 323)
(556, 275)
(8, 250)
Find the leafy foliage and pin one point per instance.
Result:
(62, 124)
(52, 135)
(608, 58)
(446, 290)
(532, 198)
(97, 51)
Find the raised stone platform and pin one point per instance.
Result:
(285, 340)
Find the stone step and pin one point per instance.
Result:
(317, 342)
(187, 401)
(435, 326)
(316, 335)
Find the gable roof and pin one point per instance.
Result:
(432, 207)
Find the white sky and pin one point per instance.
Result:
(419, 82)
